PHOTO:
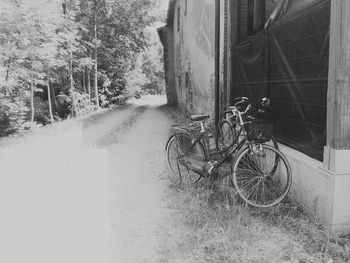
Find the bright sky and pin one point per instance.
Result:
(164, 4)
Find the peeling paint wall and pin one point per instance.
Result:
(194, 50)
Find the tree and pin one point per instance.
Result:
(116, 29)
(148, 72)
(49, 47)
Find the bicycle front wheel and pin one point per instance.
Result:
(226, 135)
(258, 179)
(179, 173)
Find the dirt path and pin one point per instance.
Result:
(96, 190)
(93, 191)
(139, 203)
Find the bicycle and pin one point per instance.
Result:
(253, 169)
(228, 129)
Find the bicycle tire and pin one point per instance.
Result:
(225, 136)
(251, 174)
(179, 173)
(272, 142)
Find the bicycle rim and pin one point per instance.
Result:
(257, 179)
(273, 143)
(178, 172)
(226, 135)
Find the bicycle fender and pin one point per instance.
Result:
(167, 143)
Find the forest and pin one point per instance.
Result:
(65, 58)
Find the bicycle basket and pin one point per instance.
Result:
(259, 131)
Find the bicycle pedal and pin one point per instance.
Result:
(210, 168)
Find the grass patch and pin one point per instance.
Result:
(216, 226)
(39, 136)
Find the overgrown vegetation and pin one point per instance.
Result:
(213, 224)
(69, 57)
(218, 228)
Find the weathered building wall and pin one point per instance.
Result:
(320, 187)
(223, 55)
(167, 38)
(194, 47)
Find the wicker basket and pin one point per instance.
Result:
(259, 131)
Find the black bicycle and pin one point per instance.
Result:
(260, 173)
(229, 129)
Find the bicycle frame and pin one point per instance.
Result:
(260, 173)
(208, 154)
(203, 139)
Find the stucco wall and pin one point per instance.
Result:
(170, 68)
(194, 47)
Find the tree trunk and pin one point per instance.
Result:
(7, 76)
(95, 67)
(53, 96)
(32, 110)
(89, 83)
(71, 81)
(84, 81)
(49, 97)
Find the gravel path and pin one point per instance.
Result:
(92, 191)
(139, 203)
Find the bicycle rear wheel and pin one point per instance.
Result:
(257, 178)
(179, 173)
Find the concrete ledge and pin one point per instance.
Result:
(337, 161)
(323, 192)
(312, 185)
(341, 204)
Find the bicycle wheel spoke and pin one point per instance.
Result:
(256, 178)
(269, 193)
(263, 193)
(252, 190)
(225, 135)
(246, 183)
(180, 173)
(249, 163)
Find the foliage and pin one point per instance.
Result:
(148, 73)
(12, 115)
(64, 104)
(61, 47)
(83, 104)
(41, 111)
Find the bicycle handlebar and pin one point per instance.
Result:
(234, 109)
(263, 102)
(241, 100)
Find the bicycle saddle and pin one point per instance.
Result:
(199, 117)
(230, 108)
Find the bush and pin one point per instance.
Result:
(13, 113)
(64, 106)
(118, 100)
(83, 105)
(42, 114)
